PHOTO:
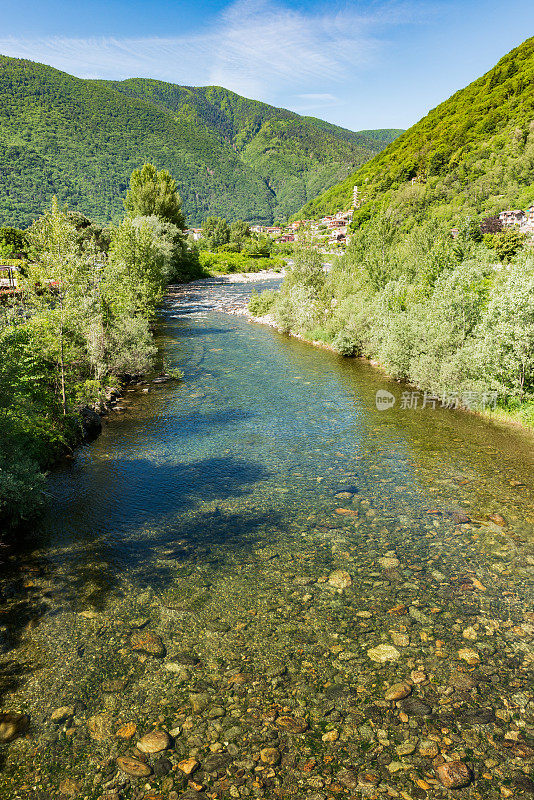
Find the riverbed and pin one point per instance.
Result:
(307, 596)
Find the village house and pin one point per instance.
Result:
(510, 218)
(527, 226)
(194, 233)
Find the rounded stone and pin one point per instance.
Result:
(383, 653)
(398, 691)
(405, 749)
(270, 755)
(12, 725)
(132, 766)
(62, 714)
(454, 774)
(469, 655)
(154, 742)
(340, 579)
(292, 724)
(147, 642)
(330, 736)
(428, 748)
(389, 562)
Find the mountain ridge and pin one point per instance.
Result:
(81, 138)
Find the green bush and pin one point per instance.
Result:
(345, 344)
(261, 304)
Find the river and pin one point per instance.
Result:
(248, 560)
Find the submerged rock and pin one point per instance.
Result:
(454, 774)
(292, 724)
(340, 579)
(12, 725)
(154, 742)
(383, 653)
(398, 691)
(146, 641)
(132, 766)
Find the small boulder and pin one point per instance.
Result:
(270, 755)
(340, 579)
(146, 641)
(383, 653)
(91, 423)
(154, 742)
(132, 766)
(188, 766)
(389, 562)
(427, 748)
(62, 714)
(292, 724)
(398, 691)
(12, 725)
(454, 774)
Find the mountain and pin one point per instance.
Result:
(473, 155)
(81, 139)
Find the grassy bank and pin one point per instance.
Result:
(230, 263)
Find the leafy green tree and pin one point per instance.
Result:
(306, 269)
(154, 193)
(215, 232)
(57, 282)
(506, 244)
(258, 247)
(138, 261)
(504, 344)
(13, 239)
(239, 232)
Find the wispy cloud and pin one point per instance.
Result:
(256, 48)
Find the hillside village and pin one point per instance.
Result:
(333, 230)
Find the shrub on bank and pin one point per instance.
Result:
(439, 313)
(260, 304)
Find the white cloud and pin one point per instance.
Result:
(256, 48)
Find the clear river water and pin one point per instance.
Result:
(247, 561)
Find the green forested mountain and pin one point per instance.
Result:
(472, 155)
(81, 139)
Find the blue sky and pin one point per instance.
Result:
(361, 64)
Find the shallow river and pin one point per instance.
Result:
(248, 560)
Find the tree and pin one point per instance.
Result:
(491, 225)
(506, 244)
(239, 231)
(14, 239)
(215, 232)
(57, 282)
(154, 193)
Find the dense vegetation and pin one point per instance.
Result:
(473, 155)
(439, 313)
(82, 323)
(81, 139)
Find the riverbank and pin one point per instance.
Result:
(522, 417)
